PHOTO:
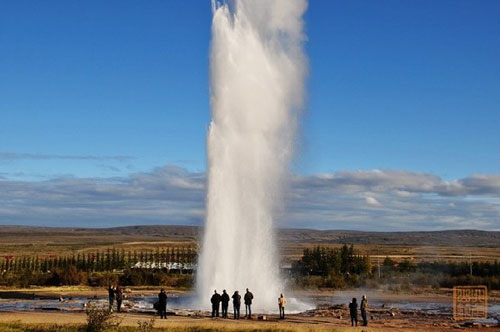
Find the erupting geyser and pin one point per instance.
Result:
(257, 79)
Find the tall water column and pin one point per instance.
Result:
(257, 86)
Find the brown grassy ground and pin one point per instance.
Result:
(292, 323)
(293, 251)
(19, 241)
(16, 241)
(323, 319)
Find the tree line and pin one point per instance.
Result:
(444, 274)
(325, 261)
(454, 269)
(325, 267)
(99, 261)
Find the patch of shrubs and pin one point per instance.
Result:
(72, 276)
(100, 318)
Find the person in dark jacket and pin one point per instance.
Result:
(215, 304)
(353, 310)
(225, 303)
(162, 304)
(364, 306)
(248, 304)
(119, 298)
(111, 294)
(236, 305)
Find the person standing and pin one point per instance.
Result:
(215, 304)
(119, 298)
(353, 310)
(225, 303)
(248, 304)
(364, 306)
(281, 305)
(162, 304)
(111, 294)
(236, 305)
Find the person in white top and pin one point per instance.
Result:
(282, 304)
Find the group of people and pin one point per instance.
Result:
(353, 310)
(218, 299)
(115, 293)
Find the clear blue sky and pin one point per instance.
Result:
(394, 85)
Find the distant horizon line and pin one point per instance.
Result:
(279, 228)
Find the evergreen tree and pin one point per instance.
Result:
(108, 260)
(122, 258)
(36, 264)
(23, 263)
(163, 256)
(78, 260)
(157, 255)
(90, 262)
(84, 262)
(96, 260)
(177, 255)
(67, 262)
(114, 259)
(169, 256)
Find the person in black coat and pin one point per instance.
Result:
(162, 304)
(111, 295)
(248, 304)
(119, 298)
(225, 303)
(353, 310)
(236, 304)
(215, 304)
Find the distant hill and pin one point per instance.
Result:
(449, 238)
(458, 238)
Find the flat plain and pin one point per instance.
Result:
(454, 245)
